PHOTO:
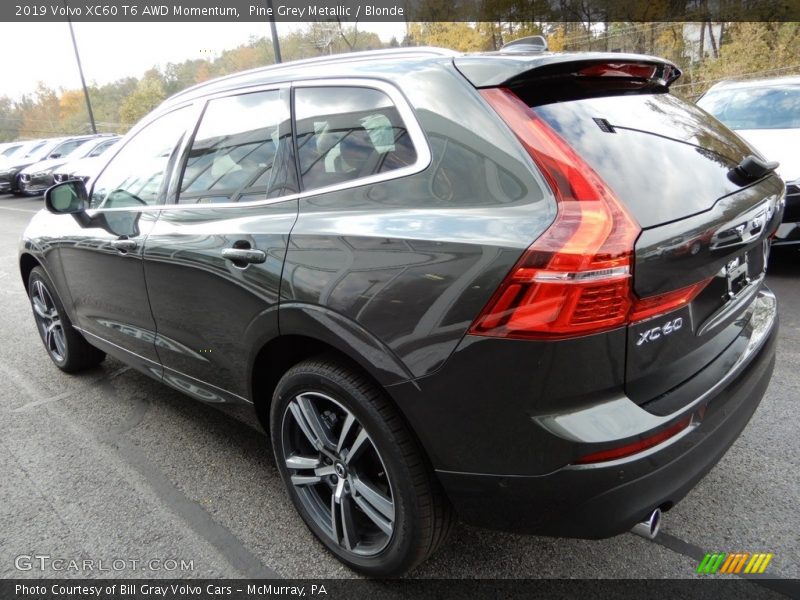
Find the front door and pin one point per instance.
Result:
(102, 260)
(213, 259)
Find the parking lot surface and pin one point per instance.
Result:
(111, 465)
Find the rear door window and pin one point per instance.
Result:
(242, 151)
(348, 133)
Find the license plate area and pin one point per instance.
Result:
(742, 270)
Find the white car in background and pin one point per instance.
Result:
(86, 168)
(766, 113)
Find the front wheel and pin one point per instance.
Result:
(65, 346)
(353, 470)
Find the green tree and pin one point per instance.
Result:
(149, 93)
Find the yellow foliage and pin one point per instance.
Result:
(556, 40)
(453, 35)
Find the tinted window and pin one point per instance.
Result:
(664, 158)
(774, 107)
(345, 133)
(242, 151)
(134, 176)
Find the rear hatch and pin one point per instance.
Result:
(704, 224)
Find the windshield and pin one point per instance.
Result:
(65, 148)
(773, 107)
(102, 148)
(83, 149)
(40, 151)
(9, 151)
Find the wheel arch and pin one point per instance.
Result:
(27, 263)
(308, 330)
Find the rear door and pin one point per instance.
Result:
(704, 227)
(213, 260)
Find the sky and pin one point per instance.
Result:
(34, 52)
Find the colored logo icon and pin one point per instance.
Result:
(733, 563)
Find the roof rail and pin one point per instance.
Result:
(406, 52)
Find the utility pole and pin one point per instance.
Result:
(80, 70)
(276, 46)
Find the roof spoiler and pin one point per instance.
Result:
(510, 68)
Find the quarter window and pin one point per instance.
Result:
(242, 151)
(135, 175)
(347, 133)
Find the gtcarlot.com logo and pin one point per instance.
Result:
(734, 563)
(45, 562)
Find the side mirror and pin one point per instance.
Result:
(67, 198)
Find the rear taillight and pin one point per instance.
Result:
(576, 278)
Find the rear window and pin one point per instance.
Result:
(664, 158)
(348, 133)
(774, 107)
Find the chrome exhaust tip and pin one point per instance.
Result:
(648, 528)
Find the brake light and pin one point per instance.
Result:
(638, 70)
(576, 278)
(637, 446)
(663, 303)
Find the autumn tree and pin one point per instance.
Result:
(148, 94)
(454, 35)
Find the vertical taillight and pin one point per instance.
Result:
(576, 278)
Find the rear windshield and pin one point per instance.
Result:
(664, 158)
(774, 107)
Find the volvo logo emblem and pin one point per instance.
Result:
(341, 472)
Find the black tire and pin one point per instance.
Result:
(69, 351)
(422, 516)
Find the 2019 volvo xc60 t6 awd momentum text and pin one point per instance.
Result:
(522, 288)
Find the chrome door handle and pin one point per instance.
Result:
(124, 245)
(244, 255)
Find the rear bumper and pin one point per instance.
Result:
(607, 498)
(603, 500)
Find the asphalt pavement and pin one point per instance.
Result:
(110, 465)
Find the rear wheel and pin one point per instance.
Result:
(353, 470)
(65, 346)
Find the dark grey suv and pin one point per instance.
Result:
(526, 289)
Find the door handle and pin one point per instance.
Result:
(244, 255)
(124, 245)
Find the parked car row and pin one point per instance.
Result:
(29, 168)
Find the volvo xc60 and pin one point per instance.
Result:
(522, 288)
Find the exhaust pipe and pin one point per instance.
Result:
(649, 528)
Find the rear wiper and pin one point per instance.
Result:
(752, 168)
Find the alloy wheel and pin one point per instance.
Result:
(48, 321)
(338, 474)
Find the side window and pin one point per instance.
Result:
(346, 133)
(242, 151)
(134, 176)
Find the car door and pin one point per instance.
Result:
(101, 257)
(213, 259)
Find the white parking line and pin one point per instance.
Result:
(18, 209)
